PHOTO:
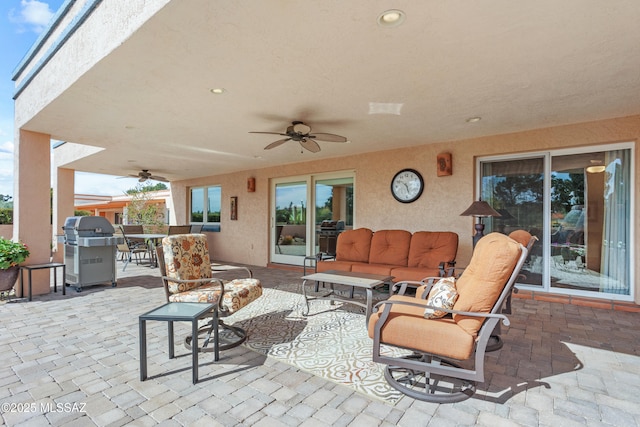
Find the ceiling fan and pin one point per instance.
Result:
(301, 132)
(145, 175)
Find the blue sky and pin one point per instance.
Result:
(21, 22)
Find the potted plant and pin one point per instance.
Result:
(11, 255)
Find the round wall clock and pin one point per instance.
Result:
(407, 185)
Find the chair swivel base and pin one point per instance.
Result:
(228, 337)
(429, 387)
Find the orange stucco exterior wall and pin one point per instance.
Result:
(246, 240)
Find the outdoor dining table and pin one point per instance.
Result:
(152, 239)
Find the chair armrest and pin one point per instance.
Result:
(446, 268)
(403, 285)
(388, 304)
(203, 281)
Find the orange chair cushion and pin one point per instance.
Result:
(481, 283)
(429, 248)
(406, 327)
(354, 245)
(521, 236)
(390, 247)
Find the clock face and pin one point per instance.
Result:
(407, 185)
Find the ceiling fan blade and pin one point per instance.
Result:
(271, 133)
(276, 143)
(310, 145)
(329, 137)
(158, 178)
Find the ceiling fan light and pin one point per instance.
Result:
(301, 128)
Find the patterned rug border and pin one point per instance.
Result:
(331, 343)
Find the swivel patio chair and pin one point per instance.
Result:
(446, 326)
(187, 276)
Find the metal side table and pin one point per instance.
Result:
(178, 312)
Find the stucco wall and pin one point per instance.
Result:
(82, 51)
(246, 240)
(6, 231)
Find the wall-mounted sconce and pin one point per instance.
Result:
(445, 167)
(251, 185)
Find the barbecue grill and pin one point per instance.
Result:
(328, 235)
(89, 251)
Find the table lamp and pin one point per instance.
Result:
(479, 209)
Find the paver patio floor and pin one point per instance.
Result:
(75, 357)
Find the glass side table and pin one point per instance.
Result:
(178, 312)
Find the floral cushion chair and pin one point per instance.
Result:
(187, 277)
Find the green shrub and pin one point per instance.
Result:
(6, 215)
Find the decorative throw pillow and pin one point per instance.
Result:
(443, 294)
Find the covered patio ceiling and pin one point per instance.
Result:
(515, 65)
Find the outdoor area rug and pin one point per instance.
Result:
(331, 342)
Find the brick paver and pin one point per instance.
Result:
(560, 365)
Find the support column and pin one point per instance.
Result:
(63, 206)
(32, 202)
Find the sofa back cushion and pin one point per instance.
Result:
(354, 245)
(390, 247)
(429, 248)
(494, 259)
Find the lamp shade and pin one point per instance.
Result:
(480, 209)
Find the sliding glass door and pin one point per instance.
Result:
(591, 220)
(298, 231)
(515, 188)
(289, 242)
(579, 205)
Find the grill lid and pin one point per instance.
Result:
(332, 225)
(87, 226)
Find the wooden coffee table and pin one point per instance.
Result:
(359, 280)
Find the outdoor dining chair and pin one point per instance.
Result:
(178, 229)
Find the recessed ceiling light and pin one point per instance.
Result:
(474, 119)
(391, 18)
(385, 108)
(596, 167)
(218, 91)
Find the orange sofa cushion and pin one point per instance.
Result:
(354, 245)
(413, 273)
(390, 247)
(481, 283)
(381, 269)
(429, 248)
(323, 266)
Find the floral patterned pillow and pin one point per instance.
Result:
(443, 294)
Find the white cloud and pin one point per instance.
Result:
(6, 167)
(34, 14)
(105, 185)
